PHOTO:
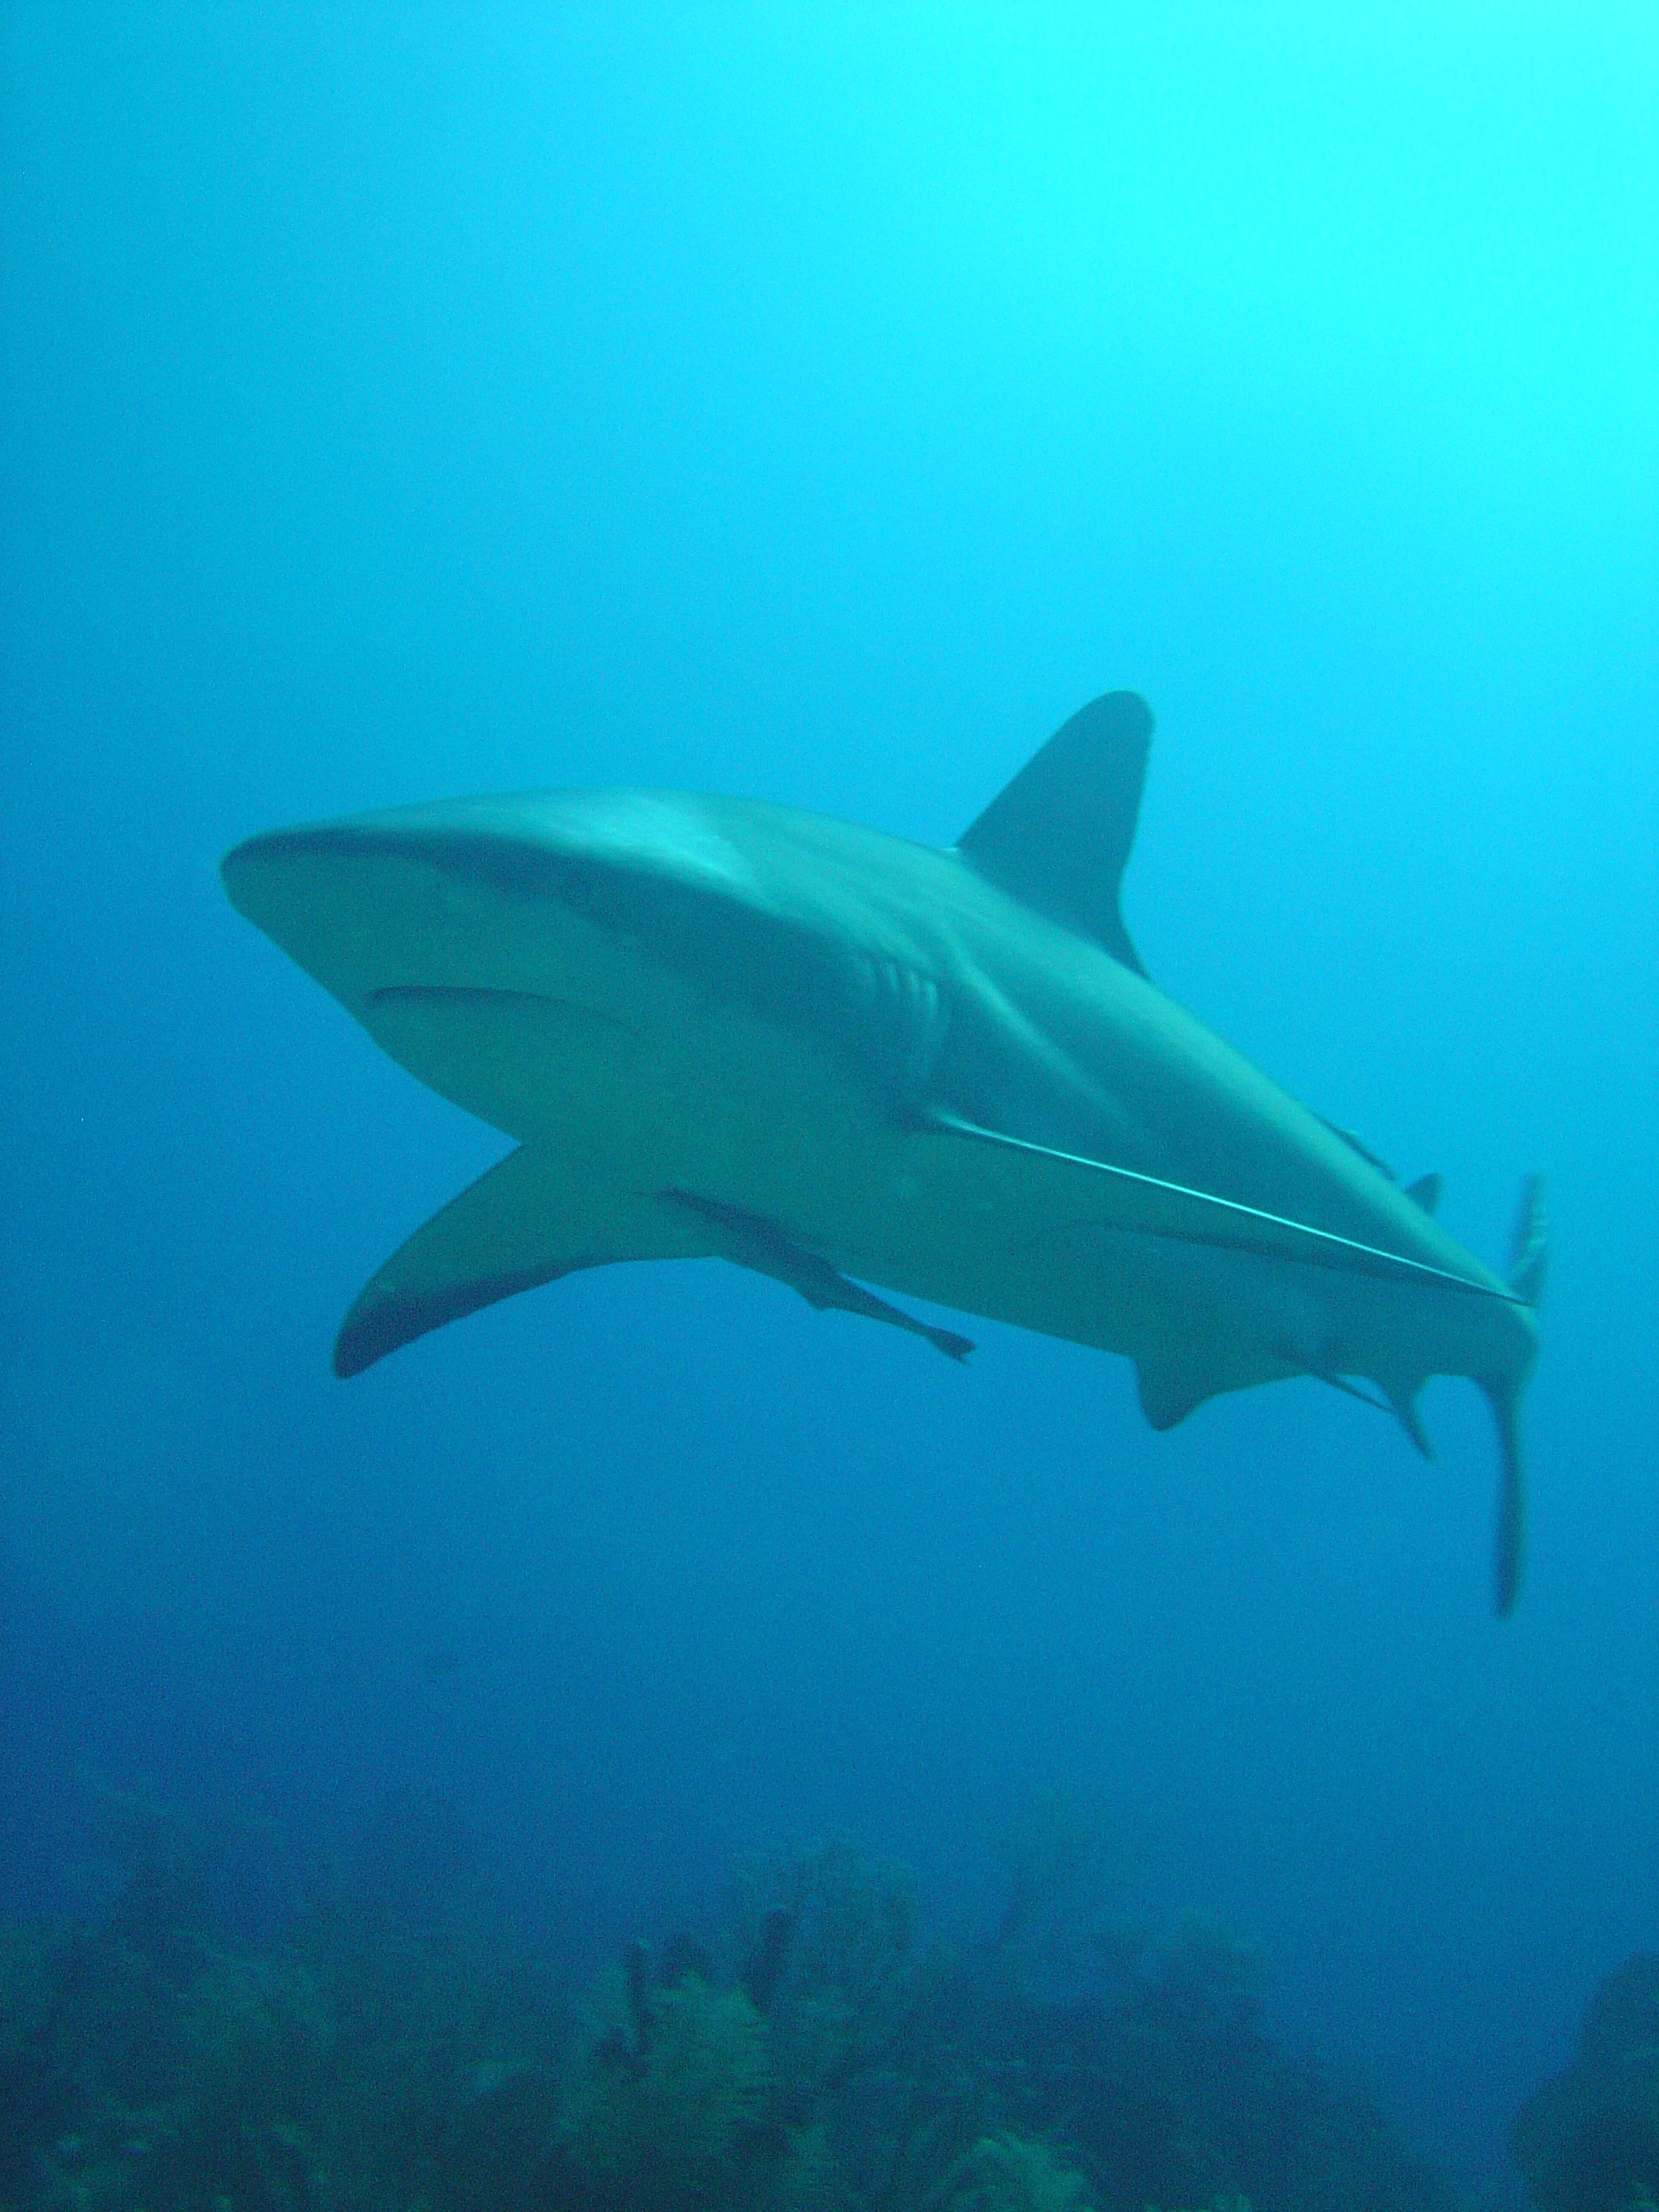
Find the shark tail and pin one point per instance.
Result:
(1510, 1552)
(1529, 1243)
(1529, 1263)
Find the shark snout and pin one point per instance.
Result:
(506, 893)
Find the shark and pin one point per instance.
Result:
(872, 1069)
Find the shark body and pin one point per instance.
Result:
(722, 1027)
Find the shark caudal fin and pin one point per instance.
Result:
(1529, 1243)
(1528, 1261)
(1509, 1549)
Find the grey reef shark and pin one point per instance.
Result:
(717, 1027)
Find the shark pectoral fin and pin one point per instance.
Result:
(749, 1240)
(1057, 837)
(535, 1216)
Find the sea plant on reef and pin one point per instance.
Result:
(812, 2052)
(1589, 2140)
(1007, 2173)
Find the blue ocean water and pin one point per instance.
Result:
(820, 404)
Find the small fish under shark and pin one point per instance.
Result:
(719, 1027)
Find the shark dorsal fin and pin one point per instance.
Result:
(1057, 837)
(1426, 1191)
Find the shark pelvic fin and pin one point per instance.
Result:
(1170, 1388)
(749, 1240)
(1058, 836)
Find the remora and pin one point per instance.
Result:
(722, 1027)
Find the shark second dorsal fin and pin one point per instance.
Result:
(1057, 837)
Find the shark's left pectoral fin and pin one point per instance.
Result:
(1529, 1243)
(535, 1216)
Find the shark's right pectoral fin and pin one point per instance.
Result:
(535, 1216)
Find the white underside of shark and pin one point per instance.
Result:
(720, 1027)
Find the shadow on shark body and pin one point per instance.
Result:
(721, 1028)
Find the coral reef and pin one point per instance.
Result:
(668, 2099)
(394, 2049)
(1589, 2140)
(1005, 2174)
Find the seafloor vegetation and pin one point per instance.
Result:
(1589, 2140)
(813, 2050)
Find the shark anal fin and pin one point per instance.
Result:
(1058, 836)
(751, 1241)
(1404, 1409)
(534, 1216)
(1412, 1421)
